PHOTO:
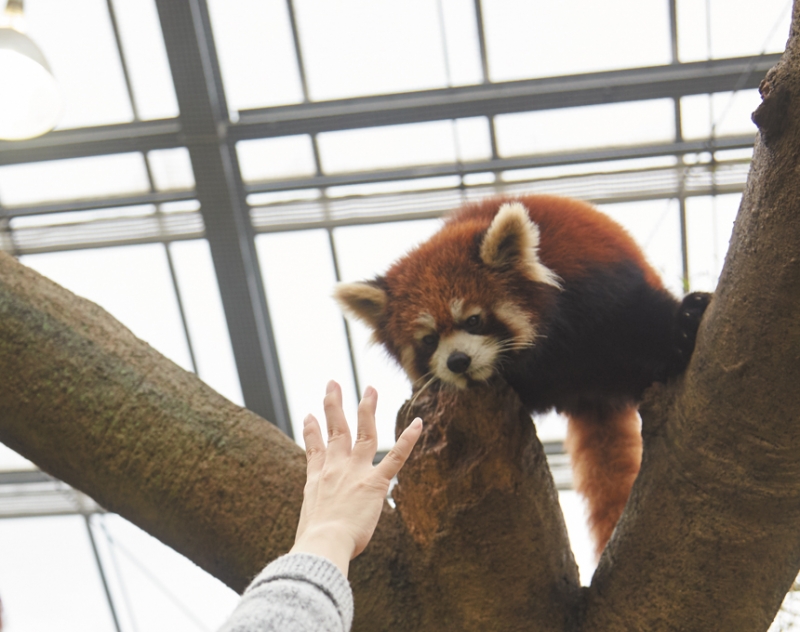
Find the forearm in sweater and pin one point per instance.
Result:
(298, 592)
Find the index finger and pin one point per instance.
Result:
(398, 455)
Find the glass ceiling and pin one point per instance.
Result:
(456, 100)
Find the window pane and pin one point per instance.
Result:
(205, 318)
(72, 179)
(171, 169)
(738, 28)
(78, 42)
(309, 331)
(132, 283)
(359, 47)
(365, 252)
(146, 57)
(275, 158)
(728, 112)
(256, 53)
(154, 587)
(608, 125)
(386, 147)
(709, 224)
(541, 39)
(50, 560)
(463, 48)
(10, 460)
(655, 225)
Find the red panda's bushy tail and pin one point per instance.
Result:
(605, 447)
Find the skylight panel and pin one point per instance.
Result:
(146, 58)
(655, 225)
(58, 560)
(72, 179)
(10, 460)
(726, 112)
(171, 169)
(275, 158)
(608, 125)
(205, 318)
(461, 42)
(309, 332)
(359, 47)
(158, 589)
(392, 146)
(132, 283)
(78, 41)
(256, 53)
(473, 139)
(738, 28)
(541, 39)
(709, 224)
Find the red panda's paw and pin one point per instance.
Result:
(688, 318)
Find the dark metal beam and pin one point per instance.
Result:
(89, 204)
(744, 141)
(669, 81)
(673, 80)
(94, 141)
(204, 119)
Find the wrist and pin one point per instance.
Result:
(327, 543)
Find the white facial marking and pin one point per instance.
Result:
(482, 350)
(427, 322)
(407, 362)
(518, 323)
(457, 308)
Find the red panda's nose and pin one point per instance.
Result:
(458, 362)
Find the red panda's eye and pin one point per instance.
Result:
(473, 322)
(431, 340)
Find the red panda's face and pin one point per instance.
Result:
(462, 343)
(455, 306)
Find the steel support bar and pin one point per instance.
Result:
(669, 81)
(198, 86)
(89, 204)
(673, 80)
(744, 141)
(93, 141)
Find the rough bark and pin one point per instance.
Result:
(710, 537)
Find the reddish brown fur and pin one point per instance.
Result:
(577, 234)
(605, 448)
(576, 241)
(412, 282)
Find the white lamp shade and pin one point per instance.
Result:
(30, 100)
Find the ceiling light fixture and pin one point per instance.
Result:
(31, 100)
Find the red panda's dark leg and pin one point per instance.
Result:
(605, 447)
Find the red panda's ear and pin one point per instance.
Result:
(365, 301)
(513, 241)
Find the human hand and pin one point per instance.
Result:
(344, 493)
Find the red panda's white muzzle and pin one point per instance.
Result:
(463, 357)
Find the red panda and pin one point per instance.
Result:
(559, 300)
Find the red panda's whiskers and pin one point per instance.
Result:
(420, 391)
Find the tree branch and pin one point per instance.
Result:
(710, 537)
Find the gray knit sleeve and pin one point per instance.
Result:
(295, 593)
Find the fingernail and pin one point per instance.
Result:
(331, 385)
(307, 420)
(417, 423)
(369, 391)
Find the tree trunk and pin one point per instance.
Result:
(709, 539)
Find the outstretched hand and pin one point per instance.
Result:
(344, 492)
